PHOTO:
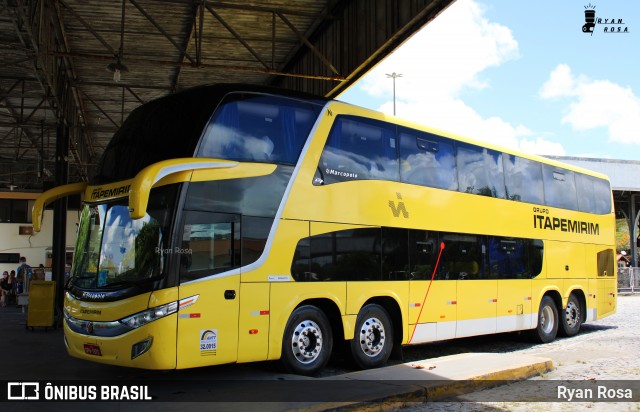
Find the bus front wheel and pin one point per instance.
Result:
(307, 342)
(571, 318)
(547, 327)
(373, 338)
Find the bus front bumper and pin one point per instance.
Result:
(152, 346)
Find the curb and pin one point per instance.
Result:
(430, 390)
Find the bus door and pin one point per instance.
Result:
(514, 262)
(438, 316)
(607, 282)
(209, 256)
(477, 293)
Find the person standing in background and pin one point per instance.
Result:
(24, 273)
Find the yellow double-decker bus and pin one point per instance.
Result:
(232, 223)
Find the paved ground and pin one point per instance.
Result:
(605, 350)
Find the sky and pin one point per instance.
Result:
(522, 75)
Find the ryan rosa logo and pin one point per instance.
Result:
(610, 24)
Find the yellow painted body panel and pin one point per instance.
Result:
(253, 330)
(514, 305)
(477, 299)
(440, 303)
(439, 308)
(163, 296)
(213, 313)
(565, 260)
(358, 293)
(607, 290)
(105, 311)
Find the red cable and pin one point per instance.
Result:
(435, 269)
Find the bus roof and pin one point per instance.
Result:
(169, 127)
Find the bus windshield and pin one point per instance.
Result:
(114, 251)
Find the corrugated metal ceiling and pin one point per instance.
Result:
(58, 59)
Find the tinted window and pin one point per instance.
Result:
(463, 256)
(258, 128)
(594, 194)
(359, 254)
(255, 231)
(358, 149)
(513, 258)
(424, 249)
(301, 265)
(339, 256)
(480, 171)
(523, 178)
(210, 244)
(395, 256)
(427, 160)
(559, 187)
(254, 196)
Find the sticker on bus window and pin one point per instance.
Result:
(102, 277)
(208, 340)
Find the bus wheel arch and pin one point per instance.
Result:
(378, 333)
(573, 315)
(307, 342)
(547, 324)
(312, 321)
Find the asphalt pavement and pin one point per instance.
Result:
(38, 356)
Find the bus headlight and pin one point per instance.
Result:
(142, 318)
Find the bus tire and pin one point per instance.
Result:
(307, 342)
(372, 342)
(547, 327)
(571, 317)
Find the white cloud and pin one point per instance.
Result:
(445, 56)
(443, 59)
(596, 103)
(542, 146)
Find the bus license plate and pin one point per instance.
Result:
(91, 349)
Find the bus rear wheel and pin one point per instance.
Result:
(373, 338)
(571, 318)
(547, 327)
(307, 342)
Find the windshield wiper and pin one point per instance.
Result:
(136, 283)
(73, 278)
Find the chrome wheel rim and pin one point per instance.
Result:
(547, 319)
(306, 342)
(372, 337)
(572, 315)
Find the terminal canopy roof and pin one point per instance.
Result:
(87, 63)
